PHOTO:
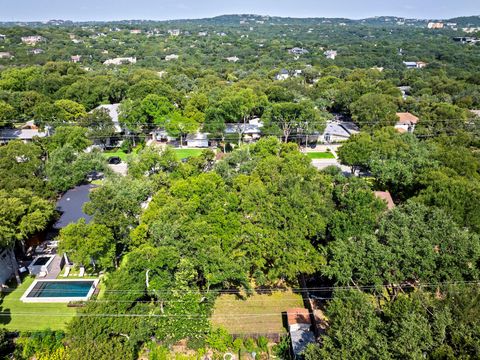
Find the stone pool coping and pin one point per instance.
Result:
(65, 299)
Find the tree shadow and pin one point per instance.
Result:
(5, 316)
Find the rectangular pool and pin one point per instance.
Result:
(59, 290)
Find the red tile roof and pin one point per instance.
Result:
(385, 195)
(298, 316)
(405, 118)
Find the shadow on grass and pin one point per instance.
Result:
(5, 316)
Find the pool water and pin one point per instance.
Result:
(70, 289)
(42, 260)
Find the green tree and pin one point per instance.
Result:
(374, 111)
(88, 244)
(7, 113)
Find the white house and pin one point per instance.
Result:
(232, 59)
(338, 131)
(330, 54)
(32, 40)
(171, 57)
(282, 75)
(113, 112)
(174, 32)
(198, 140)
(37, 51)
(406, 122)
(120, 61)
(415, 64)
(25, 135)
(5, 55)
(76, 58)
(298, 51)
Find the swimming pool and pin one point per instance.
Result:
(59, 290)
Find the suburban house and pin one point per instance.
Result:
(171, 57)
(5, 55)
(3, 37)
(406, 122)
(299, 327)
(338, 131)
(298, 51)
(250, 132)
(282, 75)
(76, 58)
(466, 39)
(113, 112)
(415, 64)
(135, 31)
(36, 51)
(32, 40)
(25, 135)
(435, 25)
(198, 140)
(121, 61)
(330, 54)
(385, 196)
(174, 32)
(232, 59)
(161, 135)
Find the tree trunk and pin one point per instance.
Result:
(13, 261)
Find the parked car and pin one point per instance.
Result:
(114, 160)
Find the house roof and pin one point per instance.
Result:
(113, 112)
(20, 134)
(385, 195)
(299, 327)
(298, 316)
(344, 129)
(197, 136)
(475, 112)
(405, 118)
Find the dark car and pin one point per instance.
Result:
(114, 160)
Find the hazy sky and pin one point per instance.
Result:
(23, 10)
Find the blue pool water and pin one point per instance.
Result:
(44, 289)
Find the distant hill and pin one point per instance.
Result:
(246, 19)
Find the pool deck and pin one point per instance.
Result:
(55, 268)
(26, 299)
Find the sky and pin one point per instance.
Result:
(82, 10)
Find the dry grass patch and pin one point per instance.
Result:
(259, 313)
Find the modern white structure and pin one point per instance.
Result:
(121, 61)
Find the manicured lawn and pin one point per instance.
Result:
(19, 316)
(185, 153)
(256, 314)
(320, 155)
(120, 153)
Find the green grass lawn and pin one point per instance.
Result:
(19, 316)
(181, 153)
(185, 153)
(257, 314)
(320, 155)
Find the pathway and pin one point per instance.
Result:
(54, 267)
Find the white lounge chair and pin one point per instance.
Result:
(67, 271)
(82, 271)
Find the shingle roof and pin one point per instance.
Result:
(20, 134)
